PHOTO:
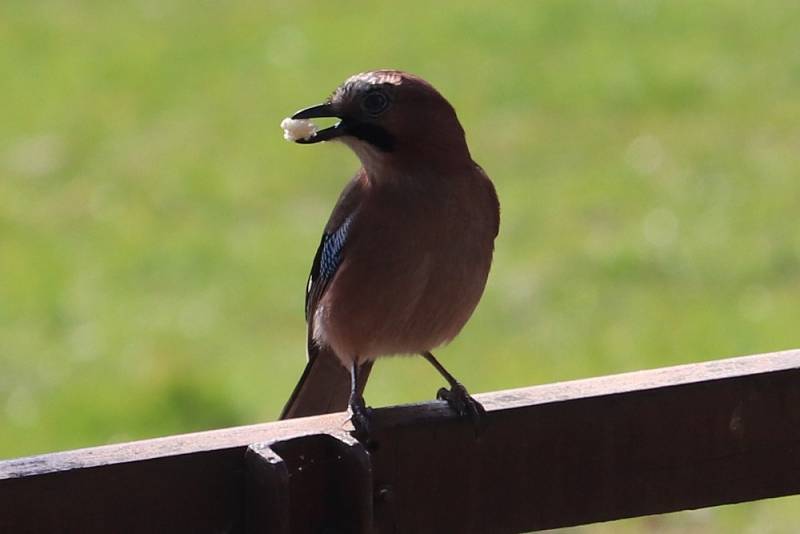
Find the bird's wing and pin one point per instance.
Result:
(333, 244)
(324, 386)
(326, 262)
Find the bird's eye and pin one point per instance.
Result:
(375, 102)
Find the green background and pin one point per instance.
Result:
(156, 231)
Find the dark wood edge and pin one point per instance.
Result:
(336, 424)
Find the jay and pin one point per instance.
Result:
(405, 255)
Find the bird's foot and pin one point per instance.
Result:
(360, 416)
(463, 404)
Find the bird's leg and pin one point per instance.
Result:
(457, 396)
(359, 413)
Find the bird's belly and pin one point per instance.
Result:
(418, 302)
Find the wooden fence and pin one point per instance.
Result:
(578, 452)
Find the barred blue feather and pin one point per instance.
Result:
(327, 260)
(332, 249)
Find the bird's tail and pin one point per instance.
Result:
(324, 386)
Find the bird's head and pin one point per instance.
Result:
(390, 117)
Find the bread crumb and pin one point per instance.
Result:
(295, 129)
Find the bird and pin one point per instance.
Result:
(405, 255)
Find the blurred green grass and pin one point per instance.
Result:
(156, 231)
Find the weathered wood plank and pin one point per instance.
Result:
(587, 459)
(554, 455)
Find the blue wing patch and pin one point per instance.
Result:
(326, 262)
(332, 245)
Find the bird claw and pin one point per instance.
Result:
(463, 404)
(360, 416)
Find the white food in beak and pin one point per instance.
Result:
(294, 129)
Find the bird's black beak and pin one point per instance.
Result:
(320, 111)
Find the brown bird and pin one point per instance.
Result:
(405, 255)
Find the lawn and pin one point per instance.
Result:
(156, 230)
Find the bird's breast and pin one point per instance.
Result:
(415, 267)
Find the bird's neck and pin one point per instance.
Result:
(429, 155)
(429, 173)
(435, 179)
(427, 164)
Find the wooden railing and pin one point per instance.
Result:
(549, 456)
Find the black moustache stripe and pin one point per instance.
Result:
(372, 134)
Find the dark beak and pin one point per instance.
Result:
(319, 111)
